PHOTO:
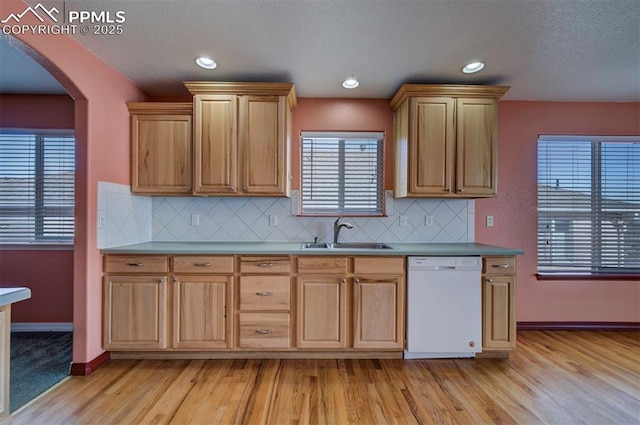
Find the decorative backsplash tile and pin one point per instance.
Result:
(128, 219)
(123, 218)
(248, 219)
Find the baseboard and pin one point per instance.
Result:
(578, 326)
(83, 369)
(42, 327)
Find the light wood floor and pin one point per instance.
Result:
(554, 377)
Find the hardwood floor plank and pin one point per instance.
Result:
(553, 377)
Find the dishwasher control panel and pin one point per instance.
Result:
(443, 263)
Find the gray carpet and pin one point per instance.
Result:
(39, 360)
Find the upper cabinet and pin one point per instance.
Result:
(242, 138)
(161, 148)
(445, 140)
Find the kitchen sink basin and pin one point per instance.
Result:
(346, 245)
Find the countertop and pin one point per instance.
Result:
(293, 248)
(13, 295)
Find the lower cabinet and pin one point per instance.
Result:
(379, 312)
(322, 312)
(498, 304)
(200, 317)
(135, 310)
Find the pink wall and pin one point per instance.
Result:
(342, 115)
(51, 282)
(102, 150)
(514, 210)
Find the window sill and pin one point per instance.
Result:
(37, 246)
(556, 276)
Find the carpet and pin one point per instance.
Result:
(39, 360)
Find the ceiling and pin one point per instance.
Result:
(556, 50)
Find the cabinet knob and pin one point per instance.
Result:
(263, 331)
(460, 190)
(356, 280)
(343, 280)
(175, 280)
(189, 189)
(161, 280)
(448, 189)
(232, 189)
(489, 279)
(245, 188)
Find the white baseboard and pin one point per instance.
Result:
(42, 327)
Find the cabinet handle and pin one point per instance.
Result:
(245, 188)
(500, 266)
(264, 264)
(356, 280)
(263, 331)
(265, 293)
(202, 264)
(135, 264)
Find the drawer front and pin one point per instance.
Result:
(202, 264)
(265, 265)
(265, 292)
(499, 265)
(136, 264)
(321, 265)
(265, 330)
(381, 265)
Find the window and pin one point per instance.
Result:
(588, 205)
(342, 174)
(36, 186)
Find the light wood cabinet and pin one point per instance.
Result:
(322, 312)
(200, 312)
(242, 137)
(445, 140)
(161, 148)
(135, 312)
(498, 304)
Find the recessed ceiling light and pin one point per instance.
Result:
(472, 67)
(350, 83)
(206, 63)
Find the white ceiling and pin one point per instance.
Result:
(560, 50)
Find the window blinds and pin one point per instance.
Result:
(37, 187)
(342, 173)
(588, 206)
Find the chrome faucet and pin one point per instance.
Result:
(337, 226)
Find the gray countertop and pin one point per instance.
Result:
(13, 295)
(293, 248)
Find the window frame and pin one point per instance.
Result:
(596, 272)
(39, 240)
(349, 135)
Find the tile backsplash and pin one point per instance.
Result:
(123, 218)
(221, 219)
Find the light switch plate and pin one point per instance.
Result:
(428, 221)
(403, 221)
(195, 219)
(273, 219)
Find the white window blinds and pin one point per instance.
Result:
(588, 205)
(36, 186)
(342, 173)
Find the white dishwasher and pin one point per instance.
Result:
(444, 311)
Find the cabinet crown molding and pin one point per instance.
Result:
(160, 107)
(436, 90)
(243, 88)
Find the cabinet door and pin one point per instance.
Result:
(322, 312)
(476, 147)
(160, 154)
(215, 144)
(200, 312)
(135, 312)
(264, 145)
(379, 313)
(431, 145)
(498, 313)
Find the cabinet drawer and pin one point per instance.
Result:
(264, 265)
(265, 292)
(321, 265)
(202, 264)
(382, 265)
(136, 264)
(499, 265)
(265, 330)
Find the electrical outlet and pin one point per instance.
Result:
(489, 221)
(195, 219)
(273, 220)
(403, 221)
(102, 220)
(428, 221)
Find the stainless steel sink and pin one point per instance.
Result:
(346, 245)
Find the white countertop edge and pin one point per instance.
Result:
(13, 295)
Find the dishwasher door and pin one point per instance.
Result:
(444, 307)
